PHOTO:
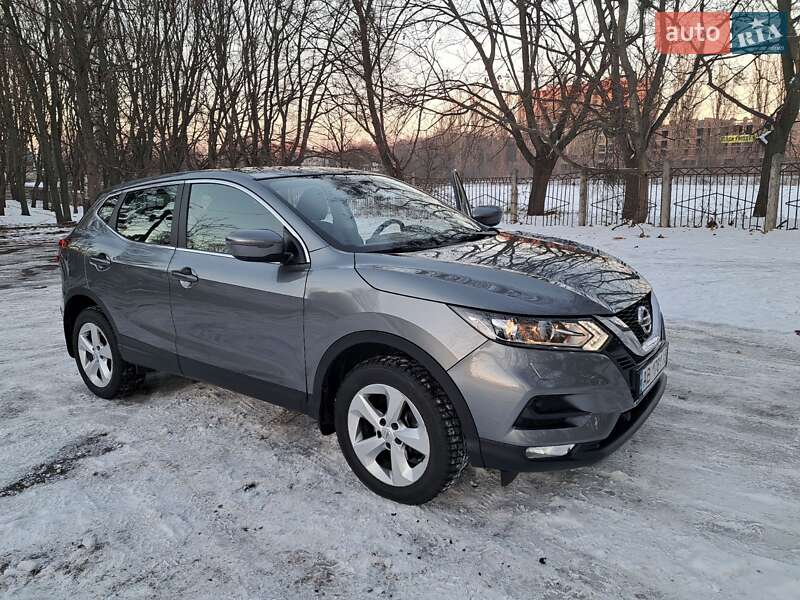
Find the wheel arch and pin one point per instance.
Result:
(79, 300)
(355, 347)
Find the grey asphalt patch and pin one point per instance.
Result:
(62, 463)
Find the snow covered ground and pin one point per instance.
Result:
(189, 491)
(14, 216)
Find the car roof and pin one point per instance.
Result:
(257, 173)
(273, 172)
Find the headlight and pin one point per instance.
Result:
(561, 333)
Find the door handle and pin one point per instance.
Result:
(186, 276)
(101, 262)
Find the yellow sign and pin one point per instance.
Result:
(746, 138)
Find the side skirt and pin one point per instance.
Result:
(244, 384)
(149, 357)
(145, 355)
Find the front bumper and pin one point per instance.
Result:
(509, 457)
(505, 386)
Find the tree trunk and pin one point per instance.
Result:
(16, 170)
(52, 195)
(49, 179)
(2, 191)
(108, 81)
(23, 206)
(37, 195)
(18, 194)
(542, 171)
(786, 115)
(57, 182)
(50, 182)
(83, 108)
(637, 189)
(776, 144)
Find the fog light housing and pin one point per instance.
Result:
(544, 451)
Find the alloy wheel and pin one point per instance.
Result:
(388, 435)
(94, 352)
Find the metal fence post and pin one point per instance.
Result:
(514, 207)
(771, 219)
(666, 194)
(583, 200)
(414, 179)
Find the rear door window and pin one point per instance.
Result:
(216, 210)
(146, 215)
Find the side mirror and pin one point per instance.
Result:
(263, 245)
(487, 215)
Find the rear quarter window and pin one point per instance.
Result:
(146, 215)
(106, 209)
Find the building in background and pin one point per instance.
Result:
(706, 142)
(703, 143)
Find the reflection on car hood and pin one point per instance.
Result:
(510, 272)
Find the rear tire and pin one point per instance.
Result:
(398, 430)
(97, 355)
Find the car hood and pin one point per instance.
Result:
(510, 273)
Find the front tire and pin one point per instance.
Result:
(398, 430)
(97, 355)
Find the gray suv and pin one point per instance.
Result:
(419, 334)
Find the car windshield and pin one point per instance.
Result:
(371, 213)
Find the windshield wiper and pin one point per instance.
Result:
(408, 246)
(435, 241)
(466, 236)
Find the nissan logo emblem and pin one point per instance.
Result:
(645, 319)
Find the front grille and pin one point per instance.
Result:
(630, 317)
(627, 362)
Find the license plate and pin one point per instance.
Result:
(650, 372)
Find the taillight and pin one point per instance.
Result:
(63, 244)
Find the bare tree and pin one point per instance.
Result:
(35, 39)
(338, 134)
(286, 65)
(82, 24)
(12, 125)
(722, 108)
(103, 90)
(436, 153)
(778, 123)
(224, 81)
(540, 66)
(378, 43)
(644, 86)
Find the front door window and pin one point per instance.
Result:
(217, 210)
